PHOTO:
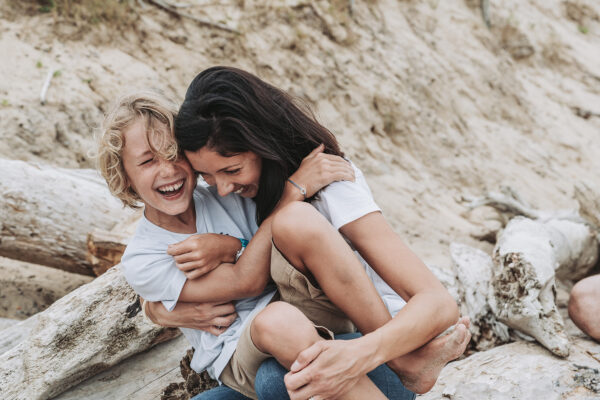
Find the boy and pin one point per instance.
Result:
(138, 157)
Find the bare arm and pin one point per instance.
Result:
(429, 310)
(329, 366)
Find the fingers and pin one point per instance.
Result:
(307, 356)
(215, 330)
(216, 310)
(188, 256)
(306, 392)
(224, 321)
(319, 149)
(180, 248)
(197, 273)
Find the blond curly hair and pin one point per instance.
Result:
(158, 114)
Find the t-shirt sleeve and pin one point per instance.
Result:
(153, 275)
(344, 202)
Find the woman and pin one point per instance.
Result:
(245, 136)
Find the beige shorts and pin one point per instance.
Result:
(296, 289)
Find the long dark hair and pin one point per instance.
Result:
(232, 111)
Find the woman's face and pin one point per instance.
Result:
(165, 187)
(239, 173)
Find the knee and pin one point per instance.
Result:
(584, 306)
(273, 322)
(296, 221)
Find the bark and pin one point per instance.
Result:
(86, 332)
(46, 214)
(105, 249)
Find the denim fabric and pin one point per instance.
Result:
(269, 382)
(220, 393)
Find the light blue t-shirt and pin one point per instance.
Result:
(152, 273)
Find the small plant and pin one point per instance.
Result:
(46, 6)
(5, 103)
(583, 29)
(57, 73)
(39, 64)
(87, 80)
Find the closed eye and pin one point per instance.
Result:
(146, 161)
(233, 171)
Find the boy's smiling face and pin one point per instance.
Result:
(164, 186)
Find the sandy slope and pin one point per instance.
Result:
(427, 100)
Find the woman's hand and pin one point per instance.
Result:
(214, 318)
(318, 170)
(328, 369)
(200, 254)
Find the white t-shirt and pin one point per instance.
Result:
(344, 202)
(152, 273)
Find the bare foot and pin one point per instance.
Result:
(420, 369)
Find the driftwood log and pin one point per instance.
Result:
(528, 256)
(46, 214)
(89, 330)
(522, 370)
(534, 249)
(473, 269)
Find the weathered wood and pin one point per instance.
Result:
(47, 212)
(105, 249)
(521, 370)
(141, 377)
(527, 255)
(16, 333)
(473, 270)
(86, 332)
(26, 288)
(7, 323)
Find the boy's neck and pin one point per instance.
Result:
(180, 223)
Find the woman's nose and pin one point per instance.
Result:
(224, 187)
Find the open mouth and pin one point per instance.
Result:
(172, 189)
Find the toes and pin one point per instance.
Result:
(460, 334)
(465, 320)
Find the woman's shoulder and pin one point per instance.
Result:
(343, 189)
(345, 201)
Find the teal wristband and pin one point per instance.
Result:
(244, 242)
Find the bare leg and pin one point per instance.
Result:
(584, 306)
(283, 331)
(314, 247)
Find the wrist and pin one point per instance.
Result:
(291, 193)
(232, 249)
(301, 188)
(147, 313)
(372, 351)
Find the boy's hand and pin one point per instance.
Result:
(214, 318)
(200, 254)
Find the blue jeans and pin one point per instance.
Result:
(269, 382)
